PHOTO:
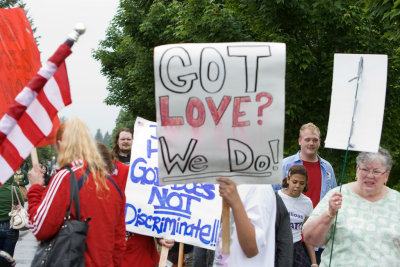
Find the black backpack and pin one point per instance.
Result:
(283, 235)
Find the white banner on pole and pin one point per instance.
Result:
(220, 111)
(368, 73)
(187, 213)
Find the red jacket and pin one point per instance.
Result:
(120, 174)
(106, 237)
(141, 250)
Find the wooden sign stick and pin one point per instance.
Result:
(34, 157)
(180, 255)
(163, 256)
(226, 227)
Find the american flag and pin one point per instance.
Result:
(30, 117)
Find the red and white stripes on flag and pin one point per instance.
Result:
(29, 119)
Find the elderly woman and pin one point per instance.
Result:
(368, 224)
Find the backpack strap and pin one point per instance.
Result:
(75, 187)
(116, 186)
(83, 178)
(74, 195)
(82, 181)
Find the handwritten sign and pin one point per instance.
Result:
(187, 213)
(220, 111)
(357, 102)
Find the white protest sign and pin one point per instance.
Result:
(220, 111)
(187, 213)
(367, 103)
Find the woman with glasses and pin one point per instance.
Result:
(368, 218)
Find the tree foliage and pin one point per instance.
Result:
(11, 3)
(45, 154)
(105, 139)
(312, 30)
(98, 136)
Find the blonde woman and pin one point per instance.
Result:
(99, 198)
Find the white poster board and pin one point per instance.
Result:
(187, 213)
(220, 111)
(367, 105)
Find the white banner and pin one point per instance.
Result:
(220, 111)
(362, 130)
(187, 213)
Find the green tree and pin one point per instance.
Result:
(11, 3)
(388, 11)
(44, 153)
(312, 30)
(107, 139)
(99, 136)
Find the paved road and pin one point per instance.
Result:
(25, 249)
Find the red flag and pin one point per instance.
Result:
(19, 55)
(30, 118)
(19, 61)
(62, 82)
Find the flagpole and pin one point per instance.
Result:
(72, 38)
(34, 157)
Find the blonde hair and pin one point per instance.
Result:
(310, 126)
(77, 143)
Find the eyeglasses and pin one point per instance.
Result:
(375, 173)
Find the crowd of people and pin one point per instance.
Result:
(366, 212)
(366, 229)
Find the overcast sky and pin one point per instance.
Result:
(54, 20)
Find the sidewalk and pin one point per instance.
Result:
(25, 249)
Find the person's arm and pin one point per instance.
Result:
(311, 251)
(244, 228)
(315, 231)
(47, 207)
(25, 180)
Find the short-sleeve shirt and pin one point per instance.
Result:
(259, 202)
(299, 208)
(367, 233)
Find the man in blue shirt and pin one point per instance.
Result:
(321, 177)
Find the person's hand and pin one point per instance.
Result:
(228, 191)
(35, 176)
(335, 203)
(169, 243)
